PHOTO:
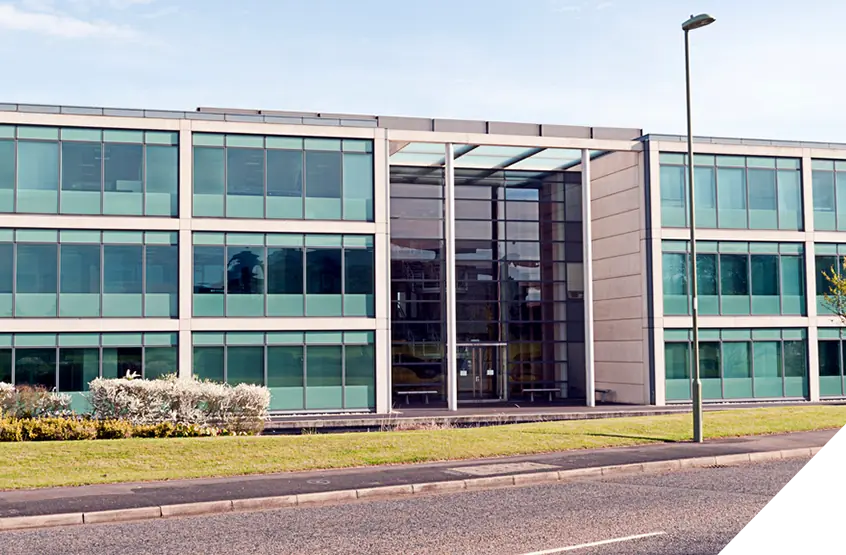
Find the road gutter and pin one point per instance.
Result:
(390, 492)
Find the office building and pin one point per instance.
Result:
(355, 263)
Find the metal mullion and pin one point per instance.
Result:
(305, 369)
(780, 283)
(102, 273)
(14, 274)
(722, 369)
(14, 361)
(144, 275)
(225, 359)
(225, 269)
(303, 193)
(840, 359)
(305, 275)
(342, 181)
(265, 272)
(15, 172)
(343, 373)
(59, 189)
(143, 356)
(225, 188)
(343, 275)
(264, 181)
(778, 212)
(265, 359)
(143, 178)
(102, 175)
(783, 372)
(752, 364)
(746, 182)
(58, 273)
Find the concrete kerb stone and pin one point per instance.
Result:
(264, 503)
(728, 460)
(279, 502)
(326, 496)
(385, 491)
(192, 509)
(40, 521)
(122, 515)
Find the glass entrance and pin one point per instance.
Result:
(481, 372)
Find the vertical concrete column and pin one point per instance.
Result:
(587, 265)
(186, 254)
(449, 236)
(653, 287)
(810, 277)
(381, 211)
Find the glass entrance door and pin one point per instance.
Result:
(481, 372)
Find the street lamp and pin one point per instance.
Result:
(695, 22)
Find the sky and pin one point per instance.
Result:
(769, 69)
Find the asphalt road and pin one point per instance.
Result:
(690, 512)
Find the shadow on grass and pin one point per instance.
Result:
(632, 436)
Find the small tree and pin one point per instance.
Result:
(835, 298)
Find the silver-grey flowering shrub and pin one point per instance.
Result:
(242, 408)
(32, 402)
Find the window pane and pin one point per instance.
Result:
(80, 269)
(673, 196)
(825, 265)
(765, 289)
(675, 283)
(736, 360)
(209, 268)
(208, 363)
(245, 365)
(6, 365)
(767, 359)
(789, 200)
(762, 199)
(359, 271)
(324, 271)
(706, 196)
(36, 268)
(245, 182)
(162, 280)
(358, 187)
(706, 272)
(731, 191)
(324, 366)
(7, 175)
(123, 183)
(284, 173)
(122, 269)
(829, 358)
(160, 361)
(360, 379)
(323, 185)
(38, 177)
(208, 181)
(6, 279)
(35, 367)
(284, 271)
(161, 170)
(676, 362)
(120, 361)
(734, 274)
(77, 367)
(82, 177)
(709, 360)
(245, 270)
(285, 367)
(795, 359)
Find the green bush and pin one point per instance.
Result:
(114, 429)
(68, 429)
(10, 430)
(57, 429)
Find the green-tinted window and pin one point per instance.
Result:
(160, 361)
(731, 191)
(765, 284)
(829, 358)
(77, 367)
(709, 360)
(825, 216)
(795, 359)
(7, 176)
(245, 365)
(360, 376)
(675, 283)
(676, 361)
(358, 187)
(209, 363)
(763, 205)
(35, 367)
(323, 185)
(735, 357)
(36, 277)
(209, 173)
(673, 196)
(5, 365)
(162, 182)
(38, 177)
(324, 376)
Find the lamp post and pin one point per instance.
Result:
(695, 22)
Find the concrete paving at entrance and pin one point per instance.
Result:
(492, 414)
(202, 496)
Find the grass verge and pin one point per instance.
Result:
(68, 463)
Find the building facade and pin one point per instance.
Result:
(358, 263)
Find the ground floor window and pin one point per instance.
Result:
(738, 363)
(832, 350)
(304, 370)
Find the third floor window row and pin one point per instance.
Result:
(83, 171)
(752, 192)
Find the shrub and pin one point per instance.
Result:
(10, 429)
(57, 429)
(32, 402)
(240, 409)
(114, 429)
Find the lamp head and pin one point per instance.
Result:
(697, 21)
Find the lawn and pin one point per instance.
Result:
(47, 464)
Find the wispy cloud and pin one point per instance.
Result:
(55, 24)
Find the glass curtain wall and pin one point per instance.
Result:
(516, 235)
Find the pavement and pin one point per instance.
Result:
(179, 497)
(493, 414)
(685, 512)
